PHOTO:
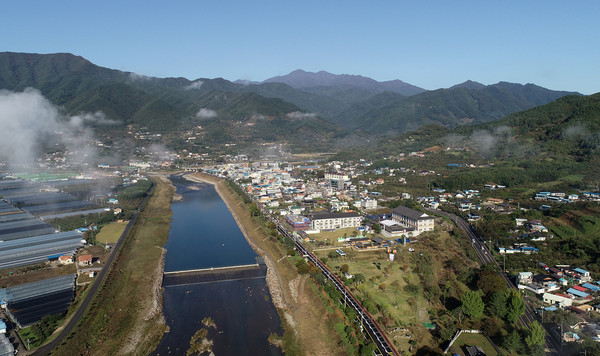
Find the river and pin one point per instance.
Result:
(204, 234)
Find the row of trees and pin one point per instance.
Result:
(503, 307)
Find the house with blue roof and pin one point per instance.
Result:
(577, 293)
(582, 275)
(591, 287)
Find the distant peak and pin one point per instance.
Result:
(301, 79)
(469, 84)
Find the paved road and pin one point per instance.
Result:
(485, 256)
(47, 348)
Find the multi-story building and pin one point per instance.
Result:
(297, 222)
(337, 181)
(333, 221)
(410, 218)
(368, 204)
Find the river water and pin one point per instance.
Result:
(204, 234)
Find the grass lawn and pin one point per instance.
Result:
(470, 340)
(27, 334)
(110, 233)
(332, 236)
(386, 284)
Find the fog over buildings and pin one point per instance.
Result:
(30, 122)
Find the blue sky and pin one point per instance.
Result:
(431, 44)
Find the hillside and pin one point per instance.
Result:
(302, 80)
(569, 126)
(166, 104)
(391, 114)
(332, 110)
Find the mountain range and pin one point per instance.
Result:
(324, 107)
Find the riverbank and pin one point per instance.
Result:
(299, 307)
(126, 315)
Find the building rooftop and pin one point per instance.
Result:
(411, 213)
(322, 216)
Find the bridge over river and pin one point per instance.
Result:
(215, 274)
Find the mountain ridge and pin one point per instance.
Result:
(169, 104)
(301, 79)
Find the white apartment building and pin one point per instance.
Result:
(333, 221)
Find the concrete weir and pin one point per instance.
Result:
(214, 274)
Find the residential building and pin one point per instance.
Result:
(562, 300)
(337, 181)
(333, 221)
(368, 204)
(65, 259)
(582, 275)
(84, 260)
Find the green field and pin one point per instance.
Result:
(384, 287)
(110, 233)
(470, 340)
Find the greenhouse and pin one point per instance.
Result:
(28, 303)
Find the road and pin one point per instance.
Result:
(47, 348)
(485, 256)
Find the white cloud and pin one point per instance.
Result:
(205, 113)
(297, 115)
(194, 85)
(139, 77)
(575, 131)
(28, 119)
(97, 118)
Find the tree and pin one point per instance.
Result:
(332, 254)
(515, 306)
(344, 268)
(368, 349)
(512, 341)
(497, 305)
(254, 210)
(377, 228)
(535, 338)
(472, 305)
(491, 327)
(359, 278)
(302, 266)
(490, 282)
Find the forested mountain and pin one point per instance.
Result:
(567, 127)
(305, 80)
(468, 103)
(329, 109)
